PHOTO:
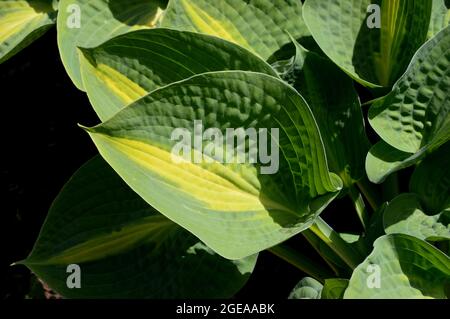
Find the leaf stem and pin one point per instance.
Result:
(314, 241)
(301, 262)
(330, 237)
(360, 206)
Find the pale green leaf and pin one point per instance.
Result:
(124, 248)
(407, 268)
(234, 208)
(440, 17)
(404, 215)
(307, 288)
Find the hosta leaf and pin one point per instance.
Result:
(404, 215)
(406, 267)
(236, 209)
(440, 17)
(124, 248)
(372, 56)
(413, 119)
(336, 107)
(383, 160)
(89, 23)
(22, 22)
(258, 25)
(126, 68)
(307, 288)
(431, 180)
(334, 288)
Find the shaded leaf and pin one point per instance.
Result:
(124, 248)
(431, 181)
(337, 110)
(372, 56)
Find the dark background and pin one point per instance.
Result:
(42, 147)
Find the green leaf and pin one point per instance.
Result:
(440, 17)
(99, 21)
(407, 268)
(236, 209)
(336, 108)
(124, 248)
(307, 288)
(404, 215)
(431, 181)
(334, 288)
(258, 25)
(413, 120)
(22, 22)
(384, 160)
(372, 56)
(127, 67)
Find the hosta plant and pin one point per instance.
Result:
(328, 101)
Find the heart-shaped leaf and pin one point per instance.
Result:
(307, 288)
(127, 67)
(400, 267)
(22, 22)
(237, 206)
(334, 288)
(413, 119)
(431, 181)
(89, 23)
(372, 41)
(124, 248)
(337, 110)
(404, 215)
(258, 25)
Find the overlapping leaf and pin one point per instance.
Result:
(407, 268)
(258, 25)
(22, 22)
(236, 209)
(413, 119)
(128, 67)
(125, 249)
(336, 107)
(404, 215)
(89, 23)
(375, 56)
